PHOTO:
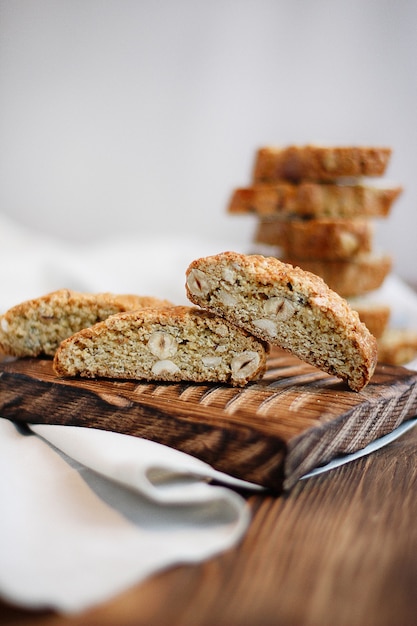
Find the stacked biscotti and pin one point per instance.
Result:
(316, 208)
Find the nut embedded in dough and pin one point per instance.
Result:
(245, 364)
(267, 326)
(165, 366)
(162, 345)
(281, 308)
(197, 283)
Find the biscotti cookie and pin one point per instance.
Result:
(314, 200)
(36, 327)
(287, 307)
(170, 344)
(319, 163)
(374, 315)
(317, 239)
(349, 278)
(397, 346)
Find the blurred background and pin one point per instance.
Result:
(139, 117)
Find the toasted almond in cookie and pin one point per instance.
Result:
(36, 327)
(287, 307)
(171, 344)
(319, 163)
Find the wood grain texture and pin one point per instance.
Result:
(338, 550)
(271, 432)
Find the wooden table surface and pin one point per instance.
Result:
(339, 549)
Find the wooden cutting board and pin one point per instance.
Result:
(270, 432)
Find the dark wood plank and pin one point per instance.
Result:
(270, 432)
(339, 549)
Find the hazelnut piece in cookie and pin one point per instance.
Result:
(287, 307)
(170, 344)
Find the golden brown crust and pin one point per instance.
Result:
(315, 200)
(349, 278)
(288, 307)
(319, 163)
(37, 326)
(172, 344)
(130, 302)
(317, 239)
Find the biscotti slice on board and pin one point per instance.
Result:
(289, 308)
(315, 200)
(349, 278)
(317, 239)
(319, 163)
(36, 327)
(172, 344)
(375, 315)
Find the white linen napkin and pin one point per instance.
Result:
(74, 534)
